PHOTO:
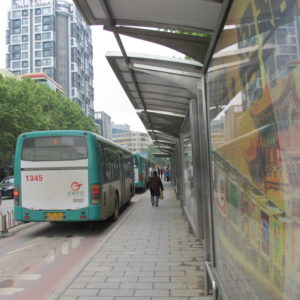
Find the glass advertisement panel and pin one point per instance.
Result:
(190, 206)
(254, 100)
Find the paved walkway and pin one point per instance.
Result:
(149, 255)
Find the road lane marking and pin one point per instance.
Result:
(65, 248)
(51, 256)
(20, 249)
(22, 277)
(10, 291)
(76, 241)
(33, 244)
(28, 276)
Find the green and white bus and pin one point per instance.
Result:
(70, 175)
(142, 171)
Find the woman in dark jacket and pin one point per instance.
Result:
(155, 186)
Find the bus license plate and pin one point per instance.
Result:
(55, 216)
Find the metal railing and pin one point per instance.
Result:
(7, 221)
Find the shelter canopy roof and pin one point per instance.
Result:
(183, 25)
(160, 90)
(192, 15)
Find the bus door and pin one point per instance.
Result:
(122, 178)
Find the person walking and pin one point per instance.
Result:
(167, 174)
(156, 186)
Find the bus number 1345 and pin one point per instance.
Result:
(34, 177)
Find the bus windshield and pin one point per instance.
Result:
(54, 148)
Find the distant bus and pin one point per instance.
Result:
(68, 175)
(142, 167)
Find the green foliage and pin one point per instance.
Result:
(189, 33)
(26, 106)
(199, 34)
(157, 161)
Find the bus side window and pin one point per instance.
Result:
(126, 167)
(99, 156)
(129, 167)
(117, 166)
(106, 166)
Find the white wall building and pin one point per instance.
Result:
(134, 141)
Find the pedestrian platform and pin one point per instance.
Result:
(149, 255)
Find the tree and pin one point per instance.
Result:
(157, 161)
(26, 106)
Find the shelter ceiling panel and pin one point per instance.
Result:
(170, 125)
(163, 146)
(196, 15)
(162, 136)
(165, 143)
(167, 104)
(122, 65)
(162, 62)
(165, 97)
(148, 79)
(188, 81)
(161, 89)
(168, 64)
(167, 152)
(161, 154)
(164, 108)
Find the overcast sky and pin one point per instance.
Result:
(109, 95)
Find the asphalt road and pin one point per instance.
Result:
(38, 257)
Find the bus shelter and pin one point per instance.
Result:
(230, 121)
(164, 94)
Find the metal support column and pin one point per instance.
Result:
(194, 121)
(205, 161)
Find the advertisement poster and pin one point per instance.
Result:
(221, 192)
(265, 233)
(234, 202)
(262, 67)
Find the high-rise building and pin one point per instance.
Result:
(104, 121)
(118, 128)
(50, 36)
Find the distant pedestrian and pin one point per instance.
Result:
(158, 172)
(156, 187)
(167, 174)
